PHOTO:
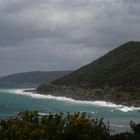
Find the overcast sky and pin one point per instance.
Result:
(53, 35)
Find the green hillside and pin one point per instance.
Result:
(120, 68)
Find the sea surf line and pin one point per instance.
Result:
(65, 99)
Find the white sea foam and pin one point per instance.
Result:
(121, 126)
(111, 110)
(126, 109)
(65, 99)
(94, 112)
(43, 114)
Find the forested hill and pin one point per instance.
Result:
(34, 77)
(120, 68)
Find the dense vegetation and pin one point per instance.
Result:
(118, 68)
(77, 93)
(34, 77)
(76, 126)
(117, 73)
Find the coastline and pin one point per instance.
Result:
(126, 98)
(101, 103)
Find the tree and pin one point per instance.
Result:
(29, 125)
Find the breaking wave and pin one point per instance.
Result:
(65, 99)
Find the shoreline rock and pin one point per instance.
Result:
(85, 95)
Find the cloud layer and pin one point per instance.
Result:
(63, 34)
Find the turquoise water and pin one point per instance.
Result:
(14, 100)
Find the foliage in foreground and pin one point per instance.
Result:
(76, 126)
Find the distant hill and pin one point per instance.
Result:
(34, 77)
(119, 68)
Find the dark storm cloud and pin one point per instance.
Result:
(63, 34)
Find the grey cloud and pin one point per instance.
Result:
(62, 20)
(63, 34)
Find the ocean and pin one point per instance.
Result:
(13, 100)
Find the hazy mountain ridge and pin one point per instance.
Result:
(34, 77)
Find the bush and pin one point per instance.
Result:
(75, 126)
(31, 126)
